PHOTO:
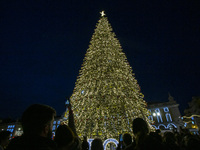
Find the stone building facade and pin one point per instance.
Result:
(166, 115)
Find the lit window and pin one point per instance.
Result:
(54, 122)
(54, 127)
(58, 122)
(166, 109)
(168, 117)
(159, 118)
(150, 118)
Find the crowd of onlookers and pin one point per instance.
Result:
(37, 122)
(143, 140)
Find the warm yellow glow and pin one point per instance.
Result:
(194, 127)
(111, 97)
(102, 13)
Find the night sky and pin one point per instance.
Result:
(43, 43)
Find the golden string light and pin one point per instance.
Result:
(106, 97)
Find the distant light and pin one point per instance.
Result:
(158, 114)
(67, 102)
(19, 129)
(192, 118)
(192, 122)
(154, 114)
(82, 92)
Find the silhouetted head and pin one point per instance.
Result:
(38, 119)
(169, 137)
(127, 139)
(85, 138)
(139, 125)
(64, 137)
(97, 144)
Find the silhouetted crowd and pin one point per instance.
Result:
(143, 139)
(37, 122)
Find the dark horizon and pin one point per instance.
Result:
(43, 45)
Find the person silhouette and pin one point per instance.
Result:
(85, 144)
(64, 137)
(37, 123)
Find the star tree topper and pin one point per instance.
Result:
(102, 13)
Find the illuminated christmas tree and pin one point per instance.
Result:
(106, 97)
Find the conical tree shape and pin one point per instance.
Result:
(106, 97)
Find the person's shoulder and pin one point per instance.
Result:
(130, 147)
(31, 143)
(45, 143)
(151, 142)
(15, 143)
